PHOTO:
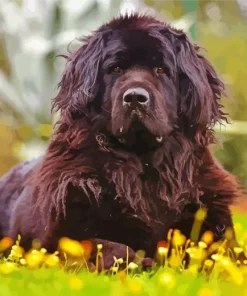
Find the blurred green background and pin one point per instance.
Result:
(33, 32)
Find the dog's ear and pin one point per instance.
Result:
(200, 87)
(79, 81)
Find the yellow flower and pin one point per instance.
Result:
(162, 251)
(201, 214)
(178, 238)
(16, 253)
(5, 243)
(134, 286)
(196, 253)
(174, 260)
(71, 247)
(87, 247)
(52, 261)
(208, 263)
(75, 283)
(23, 261)
(202, 245)
(167, 279)
(34, 258)
(207, 237)
(216, 257)
(43, 250)
(99, 247)
(238, 250)
(8, 267)
(205, 292)
(234, 272)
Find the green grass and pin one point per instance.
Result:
(55, 282)
(166, 281)
(241, 218)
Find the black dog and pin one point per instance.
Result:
(129, 158)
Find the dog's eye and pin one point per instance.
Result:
(116, 70)
(160, 70)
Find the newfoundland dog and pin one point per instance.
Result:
(129, 158)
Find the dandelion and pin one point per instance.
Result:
(34, 259)
(71, 247)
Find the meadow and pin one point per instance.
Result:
(37, 273)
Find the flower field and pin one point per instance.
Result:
(38, 273)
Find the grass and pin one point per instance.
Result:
(226, 278)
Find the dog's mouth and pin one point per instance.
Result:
(137, 136)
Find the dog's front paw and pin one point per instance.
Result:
(104, 254)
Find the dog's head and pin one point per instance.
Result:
(140, 80)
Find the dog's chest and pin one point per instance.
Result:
(113, 216)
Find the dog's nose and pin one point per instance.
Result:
(135, 97)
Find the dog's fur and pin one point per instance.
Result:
(120, 175)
